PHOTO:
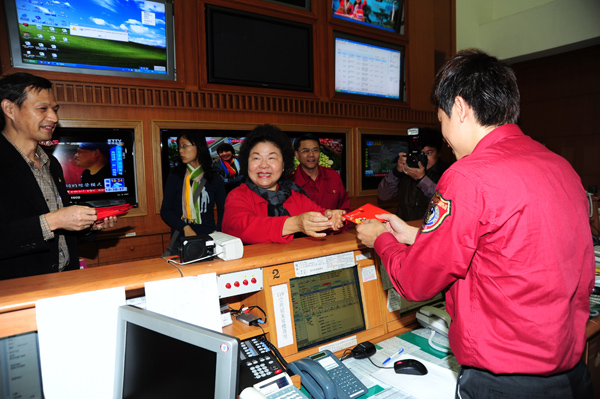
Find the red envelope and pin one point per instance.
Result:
(115, 210)
(366, 211)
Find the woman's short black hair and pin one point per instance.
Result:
(268, 134)
(197, 139)
(224, 147)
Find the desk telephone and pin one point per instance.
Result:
(323, 375)
(437, 320)
(435, 317)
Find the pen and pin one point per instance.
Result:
(393, 356)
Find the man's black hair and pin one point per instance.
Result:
(16, 86)
(486, 84)
(268, 134)
(305, 137)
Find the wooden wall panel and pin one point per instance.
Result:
(191, 99)
(560, 96)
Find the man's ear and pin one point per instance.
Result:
(8, 108)
(463, 109)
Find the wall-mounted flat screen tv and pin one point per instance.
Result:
(383, 14)
(249, 49)
(98, 164)
(366, 67)
(333, 147)
(379, 157)
(117, 37)
(170, 152)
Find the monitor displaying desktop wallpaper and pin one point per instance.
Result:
(109, 37)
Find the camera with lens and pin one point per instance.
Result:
(415, 149)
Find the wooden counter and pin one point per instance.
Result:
(18, 296)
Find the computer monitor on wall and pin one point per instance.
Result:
(169, 151)
(387, 15)
(115, 38)
(161, 357)
(379, 156)
(248, 49)
(80, 151)
(368, 68)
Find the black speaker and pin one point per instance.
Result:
(193, 248)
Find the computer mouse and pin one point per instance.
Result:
(410, 366)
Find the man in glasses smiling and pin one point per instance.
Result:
(323, 185)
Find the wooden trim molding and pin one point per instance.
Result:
(134, 96)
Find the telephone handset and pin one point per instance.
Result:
(325, 377)
(435, 317)
(437, 320)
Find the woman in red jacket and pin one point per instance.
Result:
(268, 207)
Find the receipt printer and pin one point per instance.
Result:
(194, 248)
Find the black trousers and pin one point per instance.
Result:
(481, 384)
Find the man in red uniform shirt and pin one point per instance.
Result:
(323, 185)
(507, 234)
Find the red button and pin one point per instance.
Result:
(277, 371)
(245, 282)
(228, 286)
(237, 283)
(253, 280)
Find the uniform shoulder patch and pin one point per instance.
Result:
(439, 209)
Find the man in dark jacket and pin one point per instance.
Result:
(38, 228)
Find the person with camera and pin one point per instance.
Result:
(415, 185)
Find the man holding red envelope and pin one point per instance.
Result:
(39, 229)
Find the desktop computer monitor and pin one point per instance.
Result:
(161, 357)
(326, 306)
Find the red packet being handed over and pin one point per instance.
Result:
(116, 210)
(366, 211)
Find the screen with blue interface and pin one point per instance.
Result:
(116, 37)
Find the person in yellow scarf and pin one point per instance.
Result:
(193, 189)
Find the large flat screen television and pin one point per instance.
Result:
(379, 157)
(169, 151)
(161, 357)
(333, 147)
(98, 164)
(382, 14)
(249, 49)
(370, 68)
(116, 37)
(326, 306)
